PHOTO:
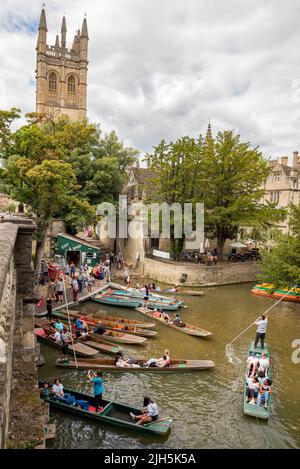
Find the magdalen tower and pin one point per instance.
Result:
(61, 73)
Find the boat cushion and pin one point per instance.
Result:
(92, 409)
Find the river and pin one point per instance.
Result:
(207, 406)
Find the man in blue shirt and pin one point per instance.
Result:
(96, 379)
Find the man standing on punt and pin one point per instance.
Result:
(261, 331)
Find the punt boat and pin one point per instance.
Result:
(109, 365)
(250, 409)
(82, 350)
(113, 413)
(188, 329)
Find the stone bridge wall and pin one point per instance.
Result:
(22, 414)
(200, 275)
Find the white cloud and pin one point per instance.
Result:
(161, 69)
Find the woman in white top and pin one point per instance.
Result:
(149, 412)
(58, 391)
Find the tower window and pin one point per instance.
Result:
(71, 88)
(52, 83)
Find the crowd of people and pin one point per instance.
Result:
(259, 385)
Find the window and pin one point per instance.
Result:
(52, 83)
(71, 88)
(276, 177)
(274, 197)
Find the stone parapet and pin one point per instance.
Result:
(198, 274)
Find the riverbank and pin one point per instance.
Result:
(199, 275)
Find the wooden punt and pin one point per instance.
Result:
(81, 349)
(109, 365)
(115, 301)
(189, 329)
(294, 297)
(100, 346)
(113, 413)
(112, 326)
(184, 292)
(153, 297)
(103, 315)
(120, 338)
(251, 409)
(284, 294)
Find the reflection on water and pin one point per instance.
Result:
(206, 406)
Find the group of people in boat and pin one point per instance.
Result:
(258, 383)
(161, 362)
(176, 320)
(148, 413)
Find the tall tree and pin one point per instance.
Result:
(231, 185)
(223, 173)
(59, 169)
(280, 264)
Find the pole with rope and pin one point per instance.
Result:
(228, 347)
(69, 322)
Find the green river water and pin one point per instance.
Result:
(207, 406)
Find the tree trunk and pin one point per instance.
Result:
(221, 244)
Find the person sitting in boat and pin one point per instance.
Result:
(81, 325)
(59, 325)
(264, 364)
(166, 317)
(157, 314)
(57, 337)
(121, 362)
(252, 365)
(45, 392)
(261, 377)
(162, 362)
(252, 389)
(148, 414)
(58, 392)
(177, 321)
(264, 393)
(100, 329)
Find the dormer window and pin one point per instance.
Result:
(276, 176)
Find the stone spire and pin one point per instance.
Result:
(57, 46)
(84, 29)
(42, 38)
(43, 23)
(63, 33)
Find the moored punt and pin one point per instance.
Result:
(113, 413)
(115, 301)
(101, 315)
(112, 326)
(153, 297)
(286, 295)
(188, 329)
(101, 345)
(251, 409)
(268, 290)
(184, 292)
(265, 289)
(109, 365)
(81, 349)
(119, 338)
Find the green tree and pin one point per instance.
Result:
(231, 184)
(280, 264)
(60, 169)
(223, 173)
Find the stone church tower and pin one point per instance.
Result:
(61, 73)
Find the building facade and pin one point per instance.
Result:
(61, 73)
(282, 185)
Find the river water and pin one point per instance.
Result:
(207, 406)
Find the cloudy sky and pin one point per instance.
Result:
(163, 68)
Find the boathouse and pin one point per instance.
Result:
(77, 250)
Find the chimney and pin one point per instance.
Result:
(284, 160)
(295, 158)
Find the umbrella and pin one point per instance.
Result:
(238, 245)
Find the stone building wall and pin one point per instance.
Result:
(18, 371)
(198, 274)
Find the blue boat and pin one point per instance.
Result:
(114, 301)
